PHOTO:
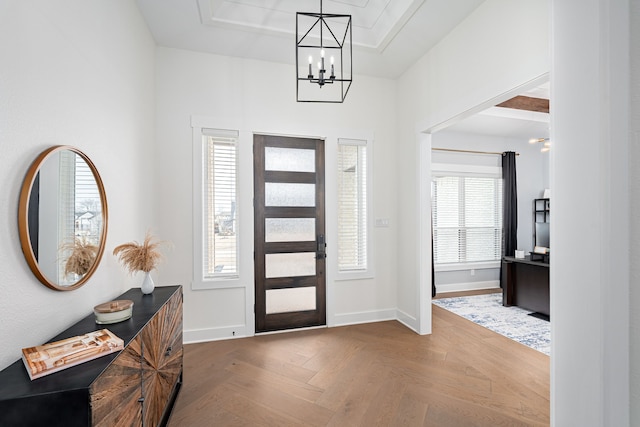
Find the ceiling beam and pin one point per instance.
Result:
(526, 103)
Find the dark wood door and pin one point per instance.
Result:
(289, 220)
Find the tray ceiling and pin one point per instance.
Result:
(388, 35)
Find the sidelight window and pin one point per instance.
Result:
(354, 206)
(215, 209)
(219, 205)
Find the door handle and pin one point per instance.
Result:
(321, 247)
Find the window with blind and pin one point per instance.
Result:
(80, 209)
(353, 206)
(88, 207)
(219, 204)
(467, 219)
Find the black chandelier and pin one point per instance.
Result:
(321, 38)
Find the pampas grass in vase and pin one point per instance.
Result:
(83, 256)
(141, 257)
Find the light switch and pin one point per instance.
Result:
(382, 222)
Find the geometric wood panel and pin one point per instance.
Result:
(115, 394)
(161, 359)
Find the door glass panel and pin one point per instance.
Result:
(287, 194)
(290, 299)
(289, 159)
(290, 229)
(290, 265)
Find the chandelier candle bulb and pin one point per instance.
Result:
(310, 70)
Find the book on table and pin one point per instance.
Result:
(52, 357)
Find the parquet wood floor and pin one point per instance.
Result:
(376, 374)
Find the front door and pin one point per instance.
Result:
(289, 220)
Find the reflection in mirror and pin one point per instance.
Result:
(62, 218)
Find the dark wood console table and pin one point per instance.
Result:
(527, 284)
(136, 386)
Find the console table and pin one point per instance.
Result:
(526, 284)
(136, 386)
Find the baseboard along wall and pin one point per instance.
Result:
(468, 286)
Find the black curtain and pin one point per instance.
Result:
(509, 205)
(433, 267)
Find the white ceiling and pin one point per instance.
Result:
(388, 37)
(508, 122)
(505, 122)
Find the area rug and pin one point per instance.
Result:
(512, 322)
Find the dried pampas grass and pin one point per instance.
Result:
(139, 257)
(83, 255)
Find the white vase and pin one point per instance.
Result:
(147, 284)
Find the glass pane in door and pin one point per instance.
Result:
(290, 299)
(288, 194)
(289, 159)
(290, 229)
(290, 264)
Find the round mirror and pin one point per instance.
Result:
(62, 218)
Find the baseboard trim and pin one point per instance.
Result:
(409, 321)
(363, 317)
(214, 334)
(469, 286)
(241, 331)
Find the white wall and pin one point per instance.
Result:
(78, 73)
(493, 51)
(253, 96)
(590, 232)
(532, 176)
(634, 199)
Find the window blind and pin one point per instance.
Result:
(219, 205)
(467, 219)
(88, 208)
(67, 217)
(352, 205)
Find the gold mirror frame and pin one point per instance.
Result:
(23, 214)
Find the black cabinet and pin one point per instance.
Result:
(136, 386)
